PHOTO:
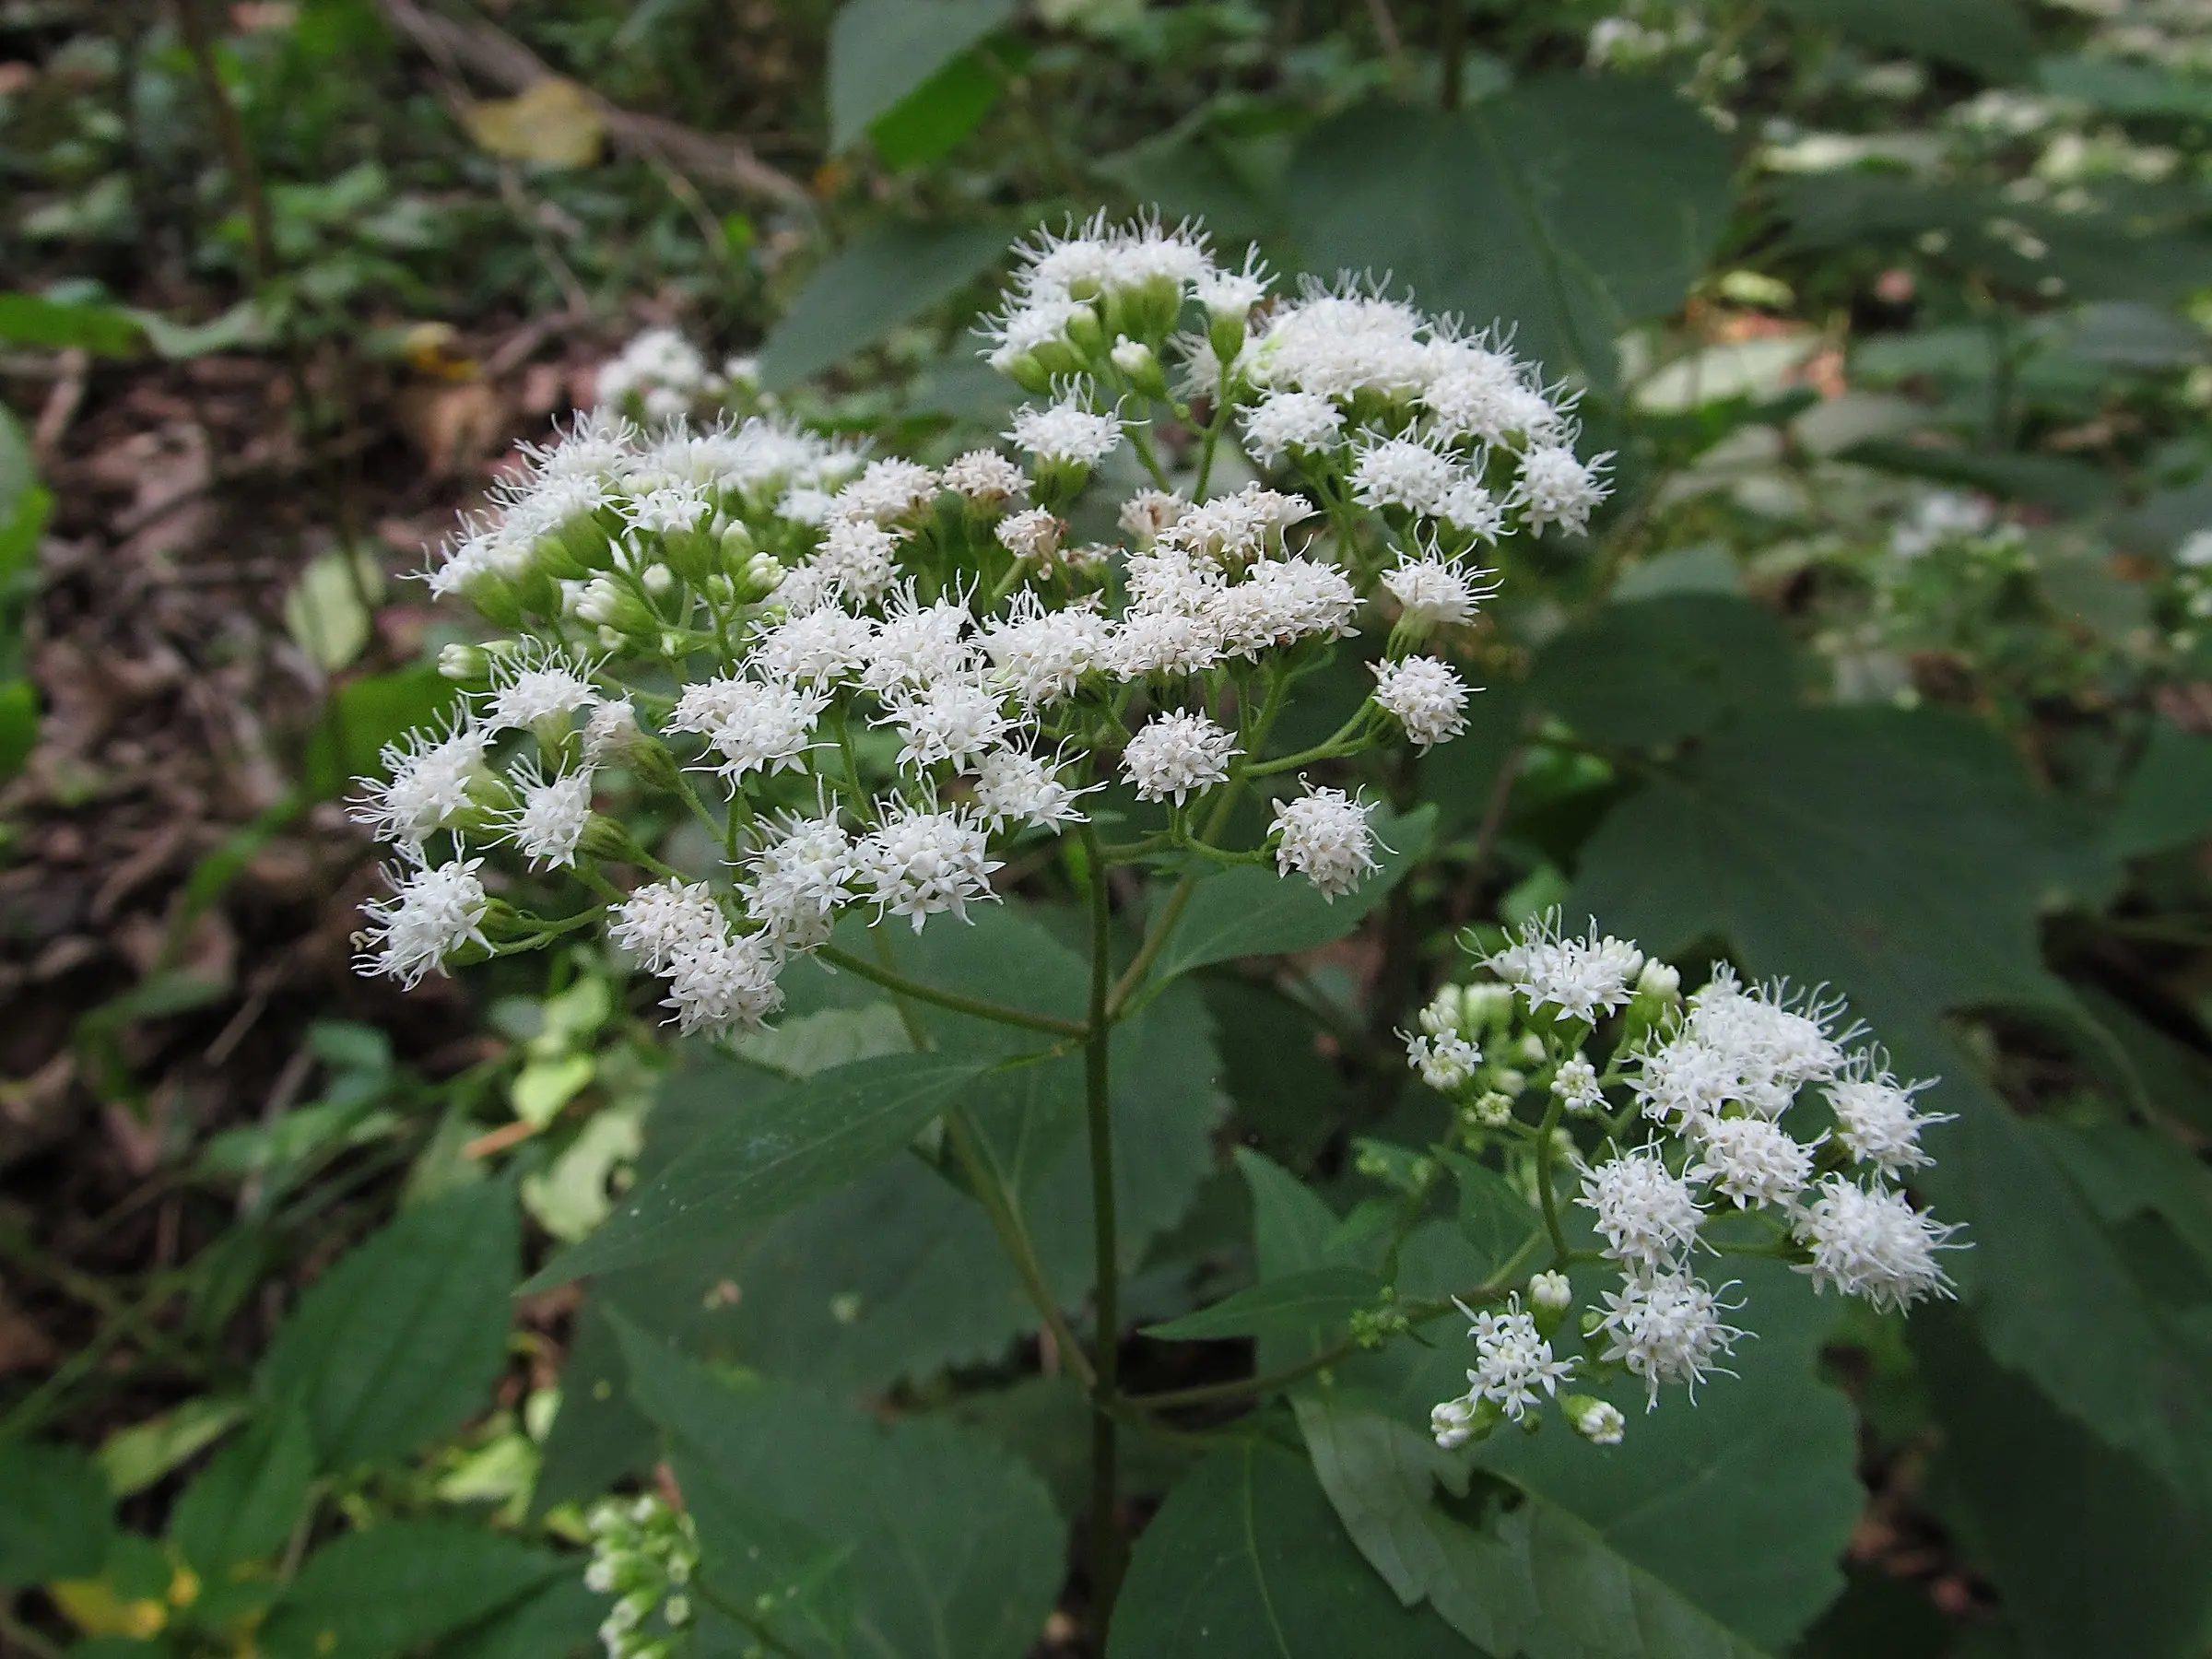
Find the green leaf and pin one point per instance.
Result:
(1566, 208)
(19, 725)
(888, 278)
(364, 715)
(1289, 1101)
(1495, 1217)
(930, 122)
(243, 1505)
(1902, 860)
(102, 330)
(1252, 910)
(800, 1585)
(1245, 1562)
(2096, 1518)
(597, 1436)
(559, 1622)
(57, 1521)
(1316, 1296)
(2166, 800)
(1652, 673)
(133, 1458)
(771, 1159)
(377, 1594)
(955, 1551)
(1989, 36)
(401, 1341)
(2120, 88)
(881, 52)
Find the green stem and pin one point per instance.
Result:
(892, 981)
(1098, 1102)
(1143, 446)
(1015, 1241)
(1547, 1144)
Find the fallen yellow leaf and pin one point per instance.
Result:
(92, 1606)
(554, 123)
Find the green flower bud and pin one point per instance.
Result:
(464, 664)
(495, 598)
(1225, 333)
(1086, 334)
(1140, 365)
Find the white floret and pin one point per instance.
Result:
(655, 921)
(1176, 756)
(1870, 1242)
(1558, 488)
(1326, 839)
(1069, 433)
(1647, 1214)
(432, 913)
(1424, 696)
(1667, 1327)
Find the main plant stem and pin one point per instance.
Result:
(1098, 1104)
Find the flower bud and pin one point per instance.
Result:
(760, 577)
(494, 598)
(1028, 371)
(738, 547)
(1660, 979)
(1551, 1292)
(1136, 361)
(1597, 1421)
(658, 578)
(1225, 334)
(464, 664)
(1086, 334)
(1492, 1109)
(692, 554)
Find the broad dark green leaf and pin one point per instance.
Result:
(597, 1436)
(377, 1594)
(1316, 1296)
(2072, 487)
(1252, 910)
(1567, 206)
(1651, 673)
(1245, 1562)
(401, 1341)
(558, 1622)
(2168, 798)
(104, 330)
(365, 714)
(2120, 88)
(888, 278)
(1902, 860)
(2062, 1535)
(1990, 36)
(955, 1550)
(883, 50)
(1495, 1217)
(800, 1585)
(56, 1521)
(773, 1157)
(1289, 1099)
(243, 1505)
(928, 123)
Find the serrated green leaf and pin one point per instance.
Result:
(401, 1341)
(886, 277)
(57, 1521)
(955, 1551)
(1256, 912)
(769, 1159)
(243, 1505)
(1245, 1562)
(1652, 673)
(1566, 207)
(882, 52)
(1323, 1297)
(798, 1585)
(377, 1594)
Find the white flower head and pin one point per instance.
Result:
(1600, 1423)
(1039, 655)
(1012, 787)
(1751, 1161)
(1176, 756)
(987, 478)
(801, 877)
(1035, 535)
(952, 721)
(432, 913)
(857, 558)
(1575, 1082)
(1423, 695)
(1401, 472)
(1291, 420)
(919, 863)
(1325, 838)
(1648, 1215)
(754, 725)
(1067, 433)
(1433, 590)
(888, 491)
(1667, 1327)
(431, 778)
(816, 649)
(549, 816)
(724, 986)
(1556, 487)
(1445, 1061)
(1148, 513)
(656, 920)
(1581, 977)
(538, 682)
(1871, 1242)
(611, 732)
(917, 644)
(1875, 1121)
(1513, 1361)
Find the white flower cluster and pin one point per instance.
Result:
(644, 1553)
(660, 375)
(1946, 516)
(866, 676)
(1714, 1082)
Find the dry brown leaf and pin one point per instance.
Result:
(554, 123)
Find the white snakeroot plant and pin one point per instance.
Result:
(871, 690)
(1682, 1145)
(645, 1555)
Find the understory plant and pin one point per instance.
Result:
(861, 699)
